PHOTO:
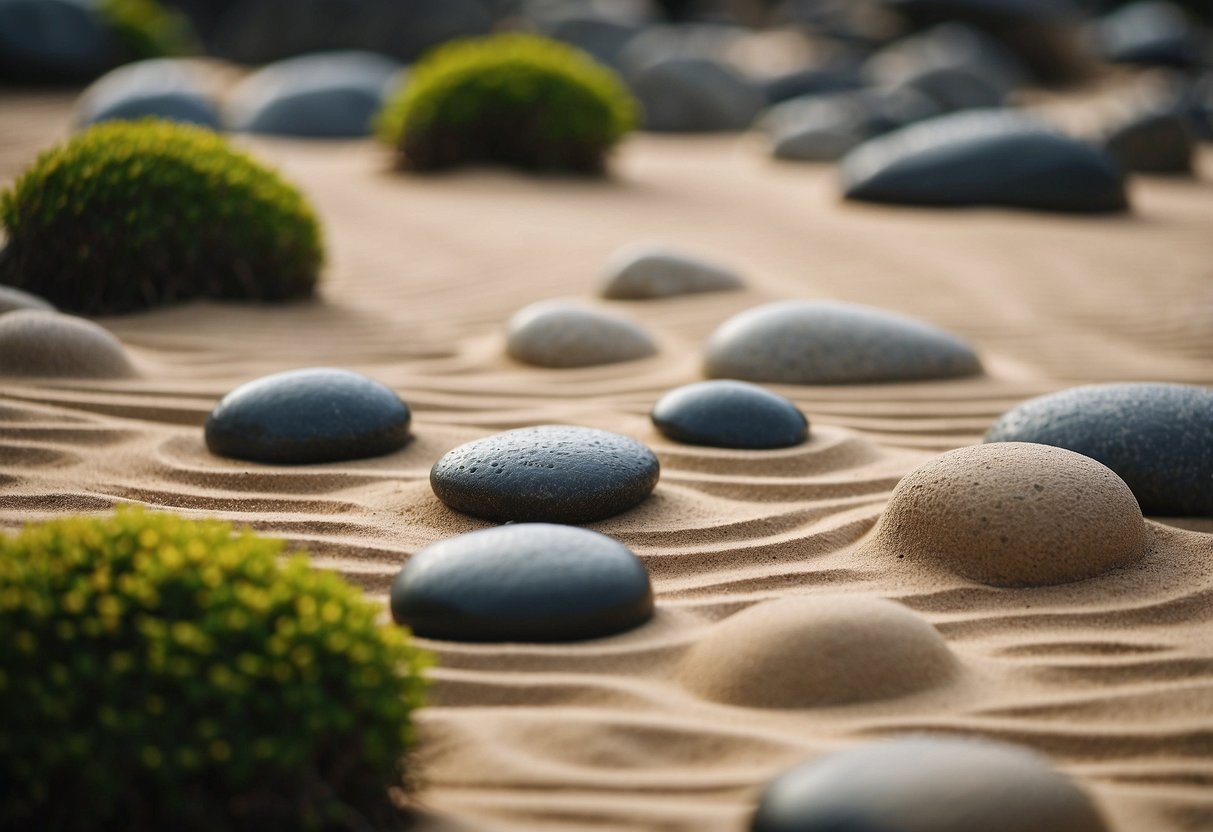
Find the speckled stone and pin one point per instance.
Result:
(1151, 32)
(163, 88)
(12, 299)
(523, 582)
(550, 473)
(927, 784)
(696, 95)
(308, 416)
(729, 414)
(645, 272)
(327, 95)
(1157, 437)
(1154, 142)
(826, 342)
(823, 128)
(985, 157)
(52, 41)
(562, 335)
(37, 342)
(1012, 514)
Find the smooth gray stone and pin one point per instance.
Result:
(825, 128)
(603, 38)
(562, 335)
(1153, 142)
(985, 157)
(308, 416)
(12, 299)
(729, 414)
(162, 88)
(692, 95)
(523, 582)
(957, 88)
(947, 46)
(1158, 438)
(549, 473)
(325, 95)
(1151, 32)
(53, 41)
(927, 784)
(686, 41)
(646, 272)
(38, 342)
(813, 80)
(827, 342)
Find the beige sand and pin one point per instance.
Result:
(1111, 677)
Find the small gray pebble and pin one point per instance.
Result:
(563, 335)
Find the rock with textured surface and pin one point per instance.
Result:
(1012, 514)
(162, 88)
(308, 416)
(729, 414)
(826, 342)
(523, 582)
(1158, 438)
(549, 473)
(562, 335)
(927, 784)
(985, 158)
(38, 342)
(646, 272)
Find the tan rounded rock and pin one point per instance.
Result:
(34, 342)
(561, 335)
(817, 651)
(1013, 514)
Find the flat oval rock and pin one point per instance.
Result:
(308, 416)
(985, 157)
(326, 95)
(561, 335)
(523, 582)
(827, 342)
(38, 342)
(549, 473)
(1158, 438)
(647, 272)
(163, 88)
(927, 784)
(729, 414)
(12, 299)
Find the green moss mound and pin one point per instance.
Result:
(131, 215)
(145, 29)
(159, 673)
(512, 99)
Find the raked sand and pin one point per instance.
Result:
(1111, 677)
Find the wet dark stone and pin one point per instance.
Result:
(826, 342)
(308, 416)
(523, 582)
(1152, 32)
(1154, 142)
(550, 473)
(927, 784)
(56, 41)
(696, 95)
(985, 158)
(163, 88)
(328, 95)
(1158, 438)
(729, 414)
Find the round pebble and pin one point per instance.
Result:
(927, 784)
(523, 582)
(12, 299)
(816, 652)
(1013, 514)
(161, 88)
(550, 473)
(729, 414)
(308, 416)
(985, 157)
(1158, 438)
(37, 342)
(647, 272)
(562, 335)
(825, 342)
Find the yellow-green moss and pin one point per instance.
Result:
(513, 99)
(130, 215)
(161, 673)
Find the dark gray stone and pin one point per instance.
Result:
(603, 38)
(985, 158)
(53, 41)
(812, 81)
(562, 335)
(1152, 32)
(326, 95)
(826, 342)
(950, 46)
(1154, 142)
(550, 473)
(646, 272)
(163, 88)
(689, 95)
(825, 128)
(927, 784)
(957, 88)
(13, 299)
(729, 414)
(1158, 438)
(308, 416)
(523, 582)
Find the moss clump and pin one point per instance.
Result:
(130, 215)
(145, 29)
(159, 673)
(511, 99)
